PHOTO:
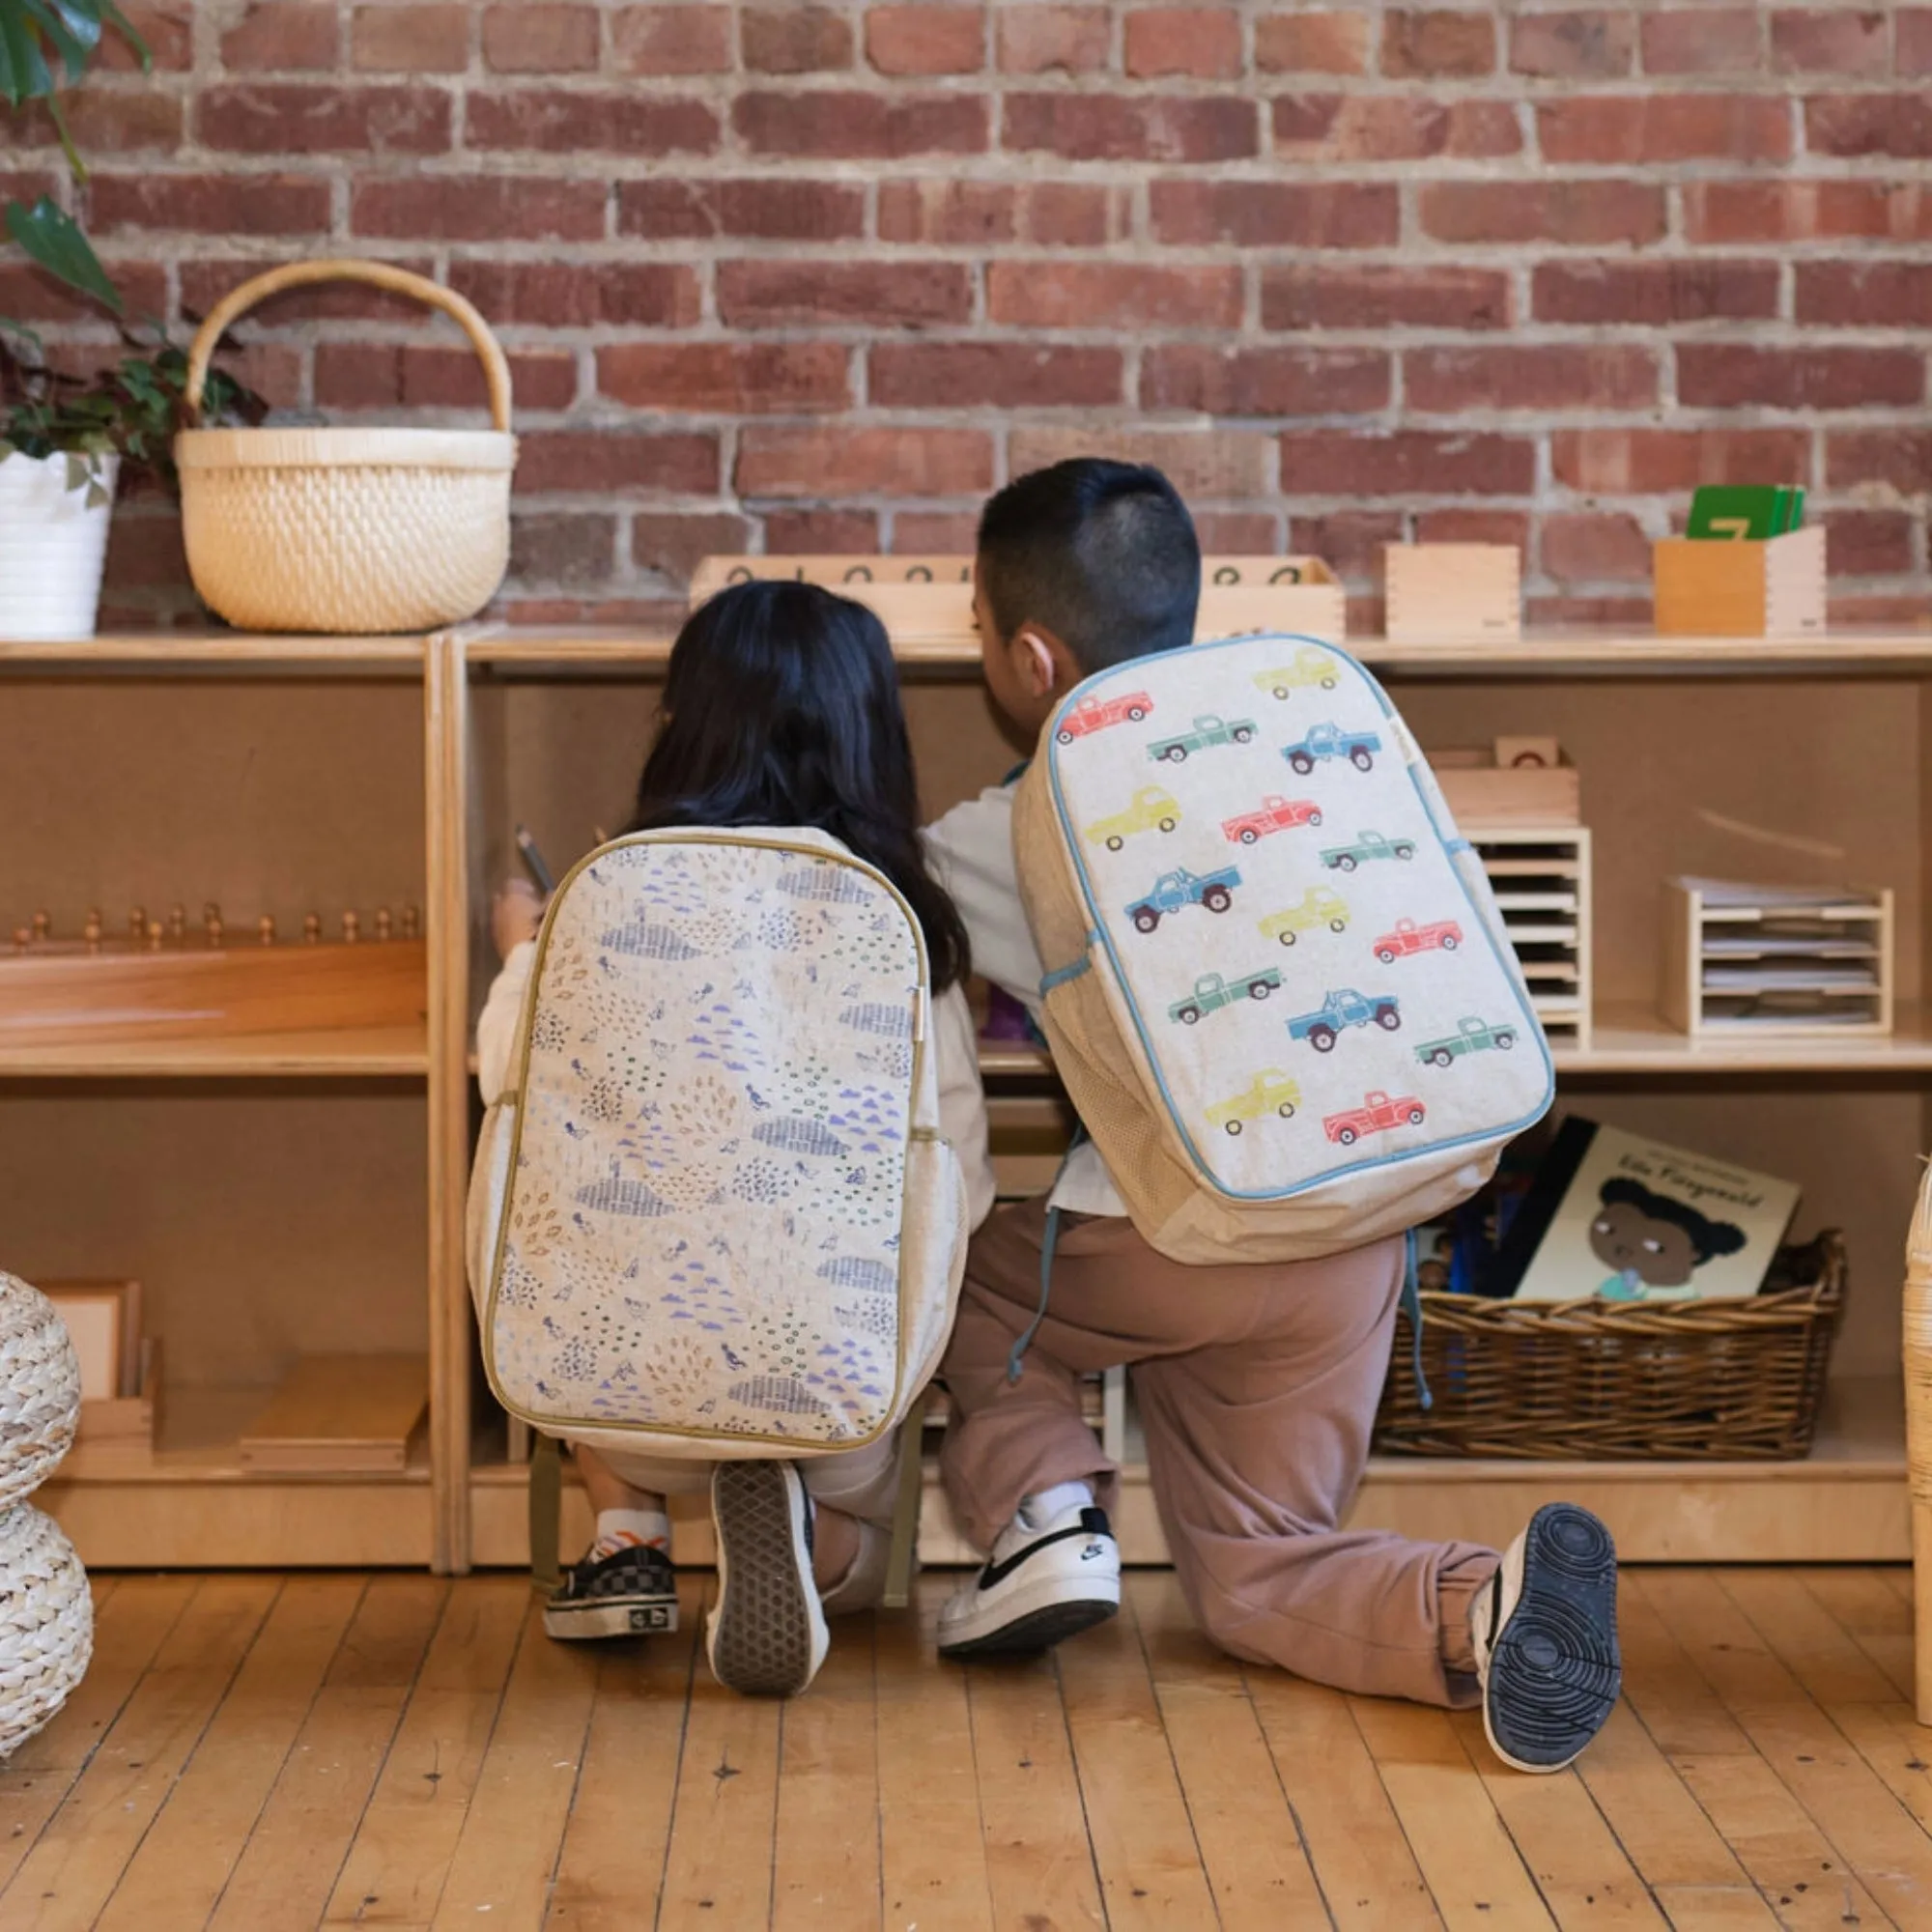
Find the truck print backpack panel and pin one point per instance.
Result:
(714, 1216)
(1278, 986)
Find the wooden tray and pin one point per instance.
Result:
(56, 994)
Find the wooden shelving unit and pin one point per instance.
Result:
(548, 723)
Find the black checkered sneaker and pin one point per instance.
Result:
(632, 1592)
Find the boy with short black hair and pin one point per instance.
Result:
(1257, 1384)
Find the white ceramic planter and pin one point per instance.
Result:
(52, 548)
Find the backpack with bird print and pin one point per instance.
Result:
(712, 1214)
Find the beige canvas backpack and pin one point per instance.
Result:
(1278, 987)
(712, 1214)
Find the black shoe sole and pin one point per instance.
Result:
(761, 1641)
(1036, 1631)
(1554, 1667)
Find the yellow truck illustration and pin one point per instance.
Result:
(1270, 1092)
(1152, 810)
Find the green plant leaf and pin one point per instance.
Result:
(72, 34)
(53, 238)
(23, 67)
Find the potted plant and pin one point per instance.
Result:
(61, 444)
(58, 454)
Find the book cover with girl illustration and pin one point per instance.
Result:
(1623, 1218)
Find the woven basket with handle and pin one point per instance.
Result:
(341, 530)
(1604, 1380)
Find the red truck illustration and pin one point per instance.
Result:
(1408, 937)
(1377, 1114)
(1095, 714)
(1276, 815)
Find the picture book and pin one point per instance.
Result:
(1615, 1215)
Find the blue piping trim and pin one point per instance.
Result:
(1060, 975)
(1100, 936)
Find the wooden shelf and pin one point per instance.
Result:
(1846, 1503)
(1635, 1040)
(191, 1505)
(1567, 652)
(165, 650)
(348, 1054)
(1563, 653)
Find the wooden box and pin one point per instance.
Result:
(1770, 589)
(1483, 789)
(340, 1415)
(1298, 594)
(1780, 962)
(131, 1423)
(1453, 593)
(927, 602)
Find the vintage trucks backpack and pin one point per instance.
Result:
(712, 1215)
(1277, 985)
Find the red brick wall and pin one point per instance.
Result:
(811, 276)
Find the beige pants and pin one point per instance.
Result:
(862, 1483)
(1256, 1388)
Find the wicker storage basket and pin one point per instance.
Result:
(342, 530)
(1608, 1382)
(46, 1623)
(39, 1388)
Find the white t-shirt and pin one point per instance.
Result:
(972, 849)
(962, 1104)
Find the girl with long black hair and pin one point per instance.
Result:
(781, 709)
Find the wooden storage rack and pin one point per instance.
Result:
(459, 1501)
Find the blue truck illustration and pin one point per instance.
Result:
(1330, 740)
(1342, 1009)
(1176, 889)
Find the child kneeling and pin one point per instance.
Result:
(781, 714)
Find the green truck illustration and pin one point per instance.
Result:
(1471, 1036)
(1207, 730)
(1213, 992)
(1368, 845)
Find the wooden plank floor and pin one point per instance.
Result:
(393, 1751)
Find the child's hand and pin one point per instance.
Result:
(514, 916)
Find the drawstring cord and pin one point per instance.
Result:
(1412, 1304)
(1049, 1241)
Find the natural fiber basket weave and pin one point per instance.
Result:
(46, 1623)
(342, 530)
(39, 1388)
(1599, 1380)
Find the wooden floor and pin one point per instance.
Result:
(256, 1752)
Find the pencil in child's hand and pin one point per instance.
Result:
(535, 860)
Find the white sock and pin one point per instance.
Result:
(1040, 1509)
(630, 1529)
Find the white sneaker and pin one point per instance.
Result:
(1545, 1634)
(767, 1637)
(1042, 1583)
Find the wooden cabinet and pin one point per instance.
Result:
(292, 1197)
